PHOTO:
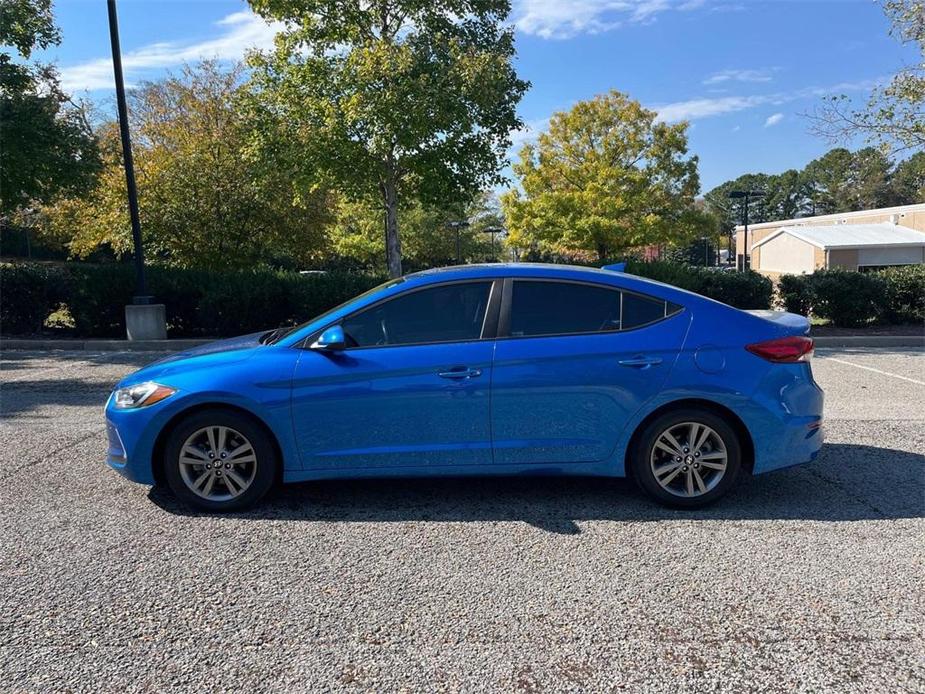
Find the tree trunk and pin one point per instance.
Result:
(392, 240)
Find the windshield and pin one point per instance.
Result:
(278, 334)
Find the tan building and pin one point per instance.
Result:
(852, 240)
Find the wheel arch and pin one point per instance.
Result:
(157, 450)
(742, 432)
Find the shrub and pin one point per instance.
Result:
(98, 297)
(796, 294)
(29, 293)
(905, 294)
(199, 303)
(848, 299)
(745, 290)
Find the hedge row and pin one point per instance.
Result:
(852, 299)
(199, 303)
(746, 290)
(208, 304)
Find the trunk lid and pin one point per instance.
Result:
(784, 322)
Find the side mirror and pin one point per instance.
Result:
(331, 340)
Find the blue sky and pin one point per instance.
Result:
(741, 72)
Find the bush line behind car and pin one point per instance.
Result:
(204, 303)
(851, 299)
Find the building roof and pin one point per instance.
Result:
(834, 236)
(899, 211)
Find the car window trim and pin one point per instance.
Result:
(489, 321)
(504, 324)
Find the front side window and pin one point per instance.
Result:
(565, 308)
(445, 313)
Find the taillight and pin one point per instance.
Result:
(784, 350)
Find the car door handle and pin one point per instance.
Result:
(641, 362)
(460, 373)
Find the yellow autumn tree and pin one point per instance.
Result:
(606, 177)
(203, 201)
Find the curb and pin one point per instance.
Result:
(101, 345)
(824, 341)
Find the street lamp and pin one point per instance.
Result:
(747, 195)
(493, 231)
(457, 226)
(144, 320)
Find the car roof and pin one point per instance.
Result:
(508, 270)
(550, 271)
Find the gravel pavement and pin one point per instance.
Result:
(810, 579)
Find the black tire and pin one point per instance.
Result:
(264, 466)
(642, 467)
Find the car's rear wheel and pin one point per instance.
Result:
(219, 460)
(687, 458)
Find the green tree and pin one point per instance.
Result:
(428, 240)
(390, 101)
(843, 181)
(894, 115)
(203, 201)
(605, 178)
(908, 181)
(48, 146)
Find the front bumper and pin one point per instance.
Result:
(131, 435)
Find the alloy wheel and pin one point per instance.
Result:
(688, 459)
(217, 463)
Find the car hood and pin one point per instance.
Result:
(210, 355)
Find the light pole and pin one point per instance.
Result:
(457, 226)
(747, 195)
(144, 320)
(493, 231)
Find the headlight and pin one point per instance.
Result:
(141, 395)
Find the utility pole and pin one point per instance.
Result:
(747, 195)
(493, 231)
(144, 320)
(457, 225)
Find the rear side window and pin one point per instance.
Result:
(445, 313)
(564, 308)
(560, 308)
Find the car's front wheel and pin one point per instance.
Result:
(687, 458)
(219, 460)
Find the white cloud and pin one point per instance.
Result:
(562, 19)
(239, 32)
(693, 109)
(740, 76)
(773, 120)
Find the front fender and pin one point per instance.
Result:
(138, 430)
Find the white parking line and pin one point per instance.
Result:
(876, 371)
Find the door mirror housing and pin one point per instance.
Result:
(331, 340)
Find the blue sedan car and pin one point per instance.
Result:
(481, 370)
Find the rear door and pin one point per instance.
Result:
(573, 362)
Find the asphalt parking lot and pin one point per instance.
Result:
(808, 579)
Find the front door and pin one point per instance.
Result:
(573, 364)
(410, 390)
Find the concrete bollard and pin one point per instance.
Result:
(146, 321)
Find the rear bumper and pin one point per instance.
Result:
(797, 442)
(786, 419)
